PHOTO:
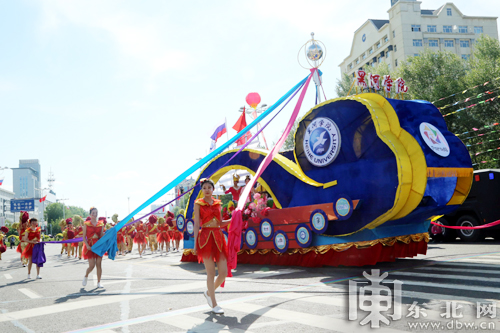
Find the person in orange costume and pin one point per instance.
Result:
(140, 237)
(93, 230)
(162, 236)
(210, 244)
(31, 237)
(21, 229)
(129, 231)
(78, 234)
(152, 232)
(69, 233)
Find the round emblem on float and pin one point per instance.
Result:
(280, 241)
(321, 141)
(343, 207)
(181, 222)
(190, 227)
(303, 235)
(318, 221)
(434, 139)
(251, 238)
(266, 229)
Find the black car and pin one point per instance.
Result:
(482, 206)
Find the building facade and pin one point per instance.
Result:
(410, 29)
(27, 184)
(5, 214)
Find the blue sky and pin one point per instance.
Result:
(119, 97)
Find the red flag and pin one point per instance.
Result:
(241, 123)
(43, 199)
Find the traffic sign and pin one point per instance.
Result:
(22, 205)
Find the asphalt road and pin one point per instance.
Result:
(160, 294)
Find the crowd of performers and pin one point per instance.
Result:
(159, 235)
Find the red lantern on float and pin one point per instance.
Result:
(253, 99)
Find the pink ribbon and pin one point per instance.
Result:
(467, 228)
(235, 230)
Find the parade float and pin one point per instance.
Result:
(366, 175)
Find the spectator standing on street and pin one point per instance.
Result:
(93, 230)
(210, 244)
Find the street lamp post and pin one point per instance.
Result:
(62, 200)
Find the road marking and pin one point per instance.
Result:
(450, 286)
(265, 274)
(8, 276)
(125, 304)
(18, 324)
(478, 271)
(463, 263)
(29, 293)
(98, 301)
(447, 276)
(480, 259)
(193, 324)
(324, 322)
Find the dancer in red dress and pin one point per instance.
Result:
(177, 235)
(31, 237)
(129, 233)
(235, 190)
(210, 244)
(93, 230)
(140, 237)
(152, 232)
(120, 239)
(162, 236)
(3, 231)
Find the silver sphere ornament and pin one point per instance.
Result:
(314, 52)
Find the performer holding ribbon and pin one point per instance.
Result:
(31, 237)
(210, 244)
(93, 230)
(140, 237)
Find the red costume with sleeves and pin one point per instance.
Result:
(93, 235)
(140, 237)
(32, 234)
(163, 233)
(210, 242)
(119, 236)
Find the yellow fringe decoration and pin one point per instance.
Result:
(322, 249)
(449, 172)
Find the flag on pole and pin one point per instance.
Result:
(241, 123)
(67, 207)
(42, 199)
(219, 131)
(1, 181)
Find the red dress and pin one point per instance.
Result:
(210, 242)
(93, 235)
(119, 236)
(140, 237)
(163, 233)
(32, 234)
(177, 234)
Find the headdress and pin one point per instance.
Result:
(170, 214)
(4, 229)
(91, 209)
(88, 218)
(103, 219)
(69, 221)
(236, 177)
(77, 220)
(153, 219)
(62, 223)
(115, 218)
(24, 217)
(161, 220)
(207, 180)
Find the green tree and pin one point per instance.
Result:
(290, 139)
(343, 85)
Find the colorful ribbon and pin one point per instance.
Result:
(463, 92)
(484, 226)
(235, 230)
(108, 242)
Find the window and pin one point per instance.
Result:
(378, 45)
(364, 56)
(370, 51)
(448, 43)
(396, 62)
(462, 29)
(374, 64)
(415, 27)
(465, 56)
(386, 39)
(388, 54)
(417, 42)
(353, 75)
(389, 66)
(478, 30)
(416, 55)
(448, 11)
(464, 43)
(350, 66)
(393, 33)
(431, 28)
(447, 28)
(433, 43)
(357, 61)
(395, 48)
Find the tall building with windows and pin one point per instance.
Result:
(27, 184)
(410, 29)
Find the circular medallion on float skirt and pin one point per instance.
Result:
(181, 222)
(251, 238)
(266, 229)
(303, 235)
(318, 221)
(190, 227)
(280, 241)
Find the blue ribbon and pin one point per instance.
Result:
(108, 242)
